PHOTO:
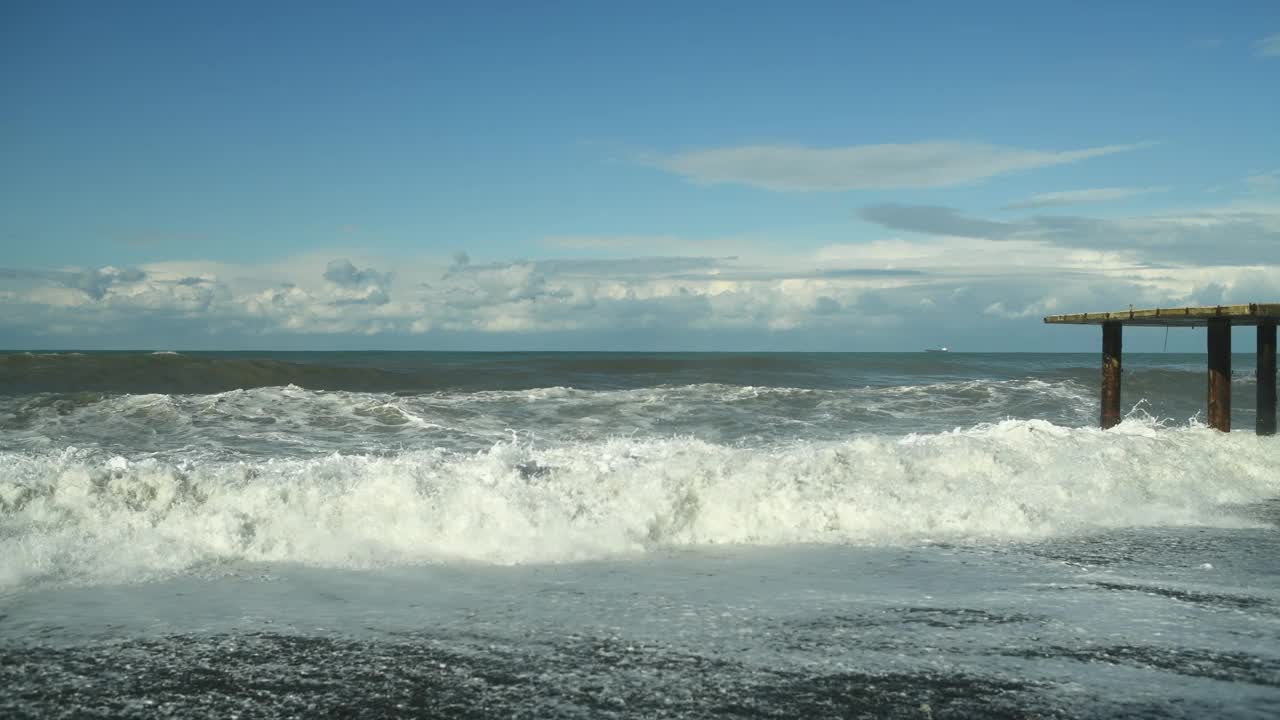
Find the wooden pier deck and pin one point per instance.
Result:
(1219, 319)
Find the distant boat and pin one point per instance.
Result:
(941, 349)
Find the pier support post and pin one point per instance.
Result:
(1267, 377)
(1220, 374)
(1111, 350)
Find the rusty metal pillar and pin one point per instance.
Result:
(1220, 374)
(1111, 344)
(1267, 377)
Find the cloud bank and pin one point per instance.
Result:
(1209, 237)
(885, 294)
(933, 272)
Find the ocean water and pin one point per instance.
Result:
(631, 535)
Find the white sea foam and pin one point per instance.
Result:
(81, 516)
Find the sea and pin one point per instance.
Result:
(631, 535)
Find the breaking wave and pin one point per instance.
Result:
(84, 515)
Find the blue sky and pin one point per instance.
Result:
(669, 175)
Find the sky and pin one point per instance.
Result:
(640, 176)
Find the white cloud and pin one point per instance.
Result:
(909, 165)
(959, 275)
(357, 286)
(948, 283)
(572, 295)
(1268, 46)
(342, 272)
(93, 282)
(1082, 197)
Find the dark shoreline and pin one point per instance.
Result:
(276, 675)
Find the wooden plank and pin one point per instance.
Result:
(1111, 361)
(1220, 374)
(1249, 314)
(1266, 424)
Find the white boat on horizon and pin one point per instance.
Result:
(938, 349)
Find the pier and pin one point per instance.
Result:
(1219, 319)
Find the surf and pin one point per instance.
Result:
(81, 515)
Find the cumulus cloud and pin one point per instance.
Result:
(660, 294)
(1081, 197)
(366, 286)
(941, 272)
(941, 285)
(889, 166)
(342, 272)
(95, 283)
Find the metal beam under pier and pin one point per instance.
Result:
(1219, 319)
(1111, 351)
(1220, 374)
(1266, 378)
